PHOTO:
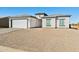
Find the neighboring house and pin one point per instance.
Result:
(39, 20)
(74, 26)
(4, 22)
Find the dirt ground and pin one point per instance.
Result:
(6, 30)
(42, 40)
(8, 49)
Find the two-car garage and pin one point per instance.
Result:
(19, 23)
(24, 22)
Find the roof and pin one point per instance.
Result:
(24, 17)
(29, 16)
(56, 15)
(41, 14)
(19, 17)
(3, 17)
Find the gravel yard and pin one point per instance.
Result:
(6, 30)
(42, 40)
(8, 49)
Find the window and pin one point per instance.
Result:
(61, 23)
(48, 22)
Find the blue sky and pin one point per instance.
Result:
(9, 11)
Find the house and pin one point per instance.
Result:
(39, 20)
(4, 22)
(54, 21)
(20, 22)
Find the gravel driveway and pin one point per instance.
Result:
(42, 40)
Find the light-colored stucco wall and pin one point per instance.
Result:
(66, 22)
(35, 22)
(43, 22)
(30, 22)
(52, 23)
(9, 22)
(39, 23)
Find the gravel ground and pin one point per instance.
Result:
(8, 49)
(6, 30)
(42, 40)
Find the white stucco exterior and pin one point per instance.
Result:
(39, 20)
(24, 22)
(55, 22)
(35, 22)
(52, 23)
(43, 23)
(9, 23)
(28, 23)
(66, 22)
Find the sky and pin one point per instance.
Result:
(13, 11)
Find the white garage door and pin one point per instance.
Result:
(19, 23)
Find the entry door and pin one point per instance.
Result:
(19, 23)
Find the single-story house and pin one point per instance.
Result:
(4, 22)
(20, 22)
(54, 21)
(39, 20)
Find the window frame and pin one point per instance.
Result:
(47, 21)
(61, 22)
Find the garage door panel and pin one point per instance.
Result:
(19, 23)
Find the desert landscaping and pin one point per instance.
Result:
(39, 40)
